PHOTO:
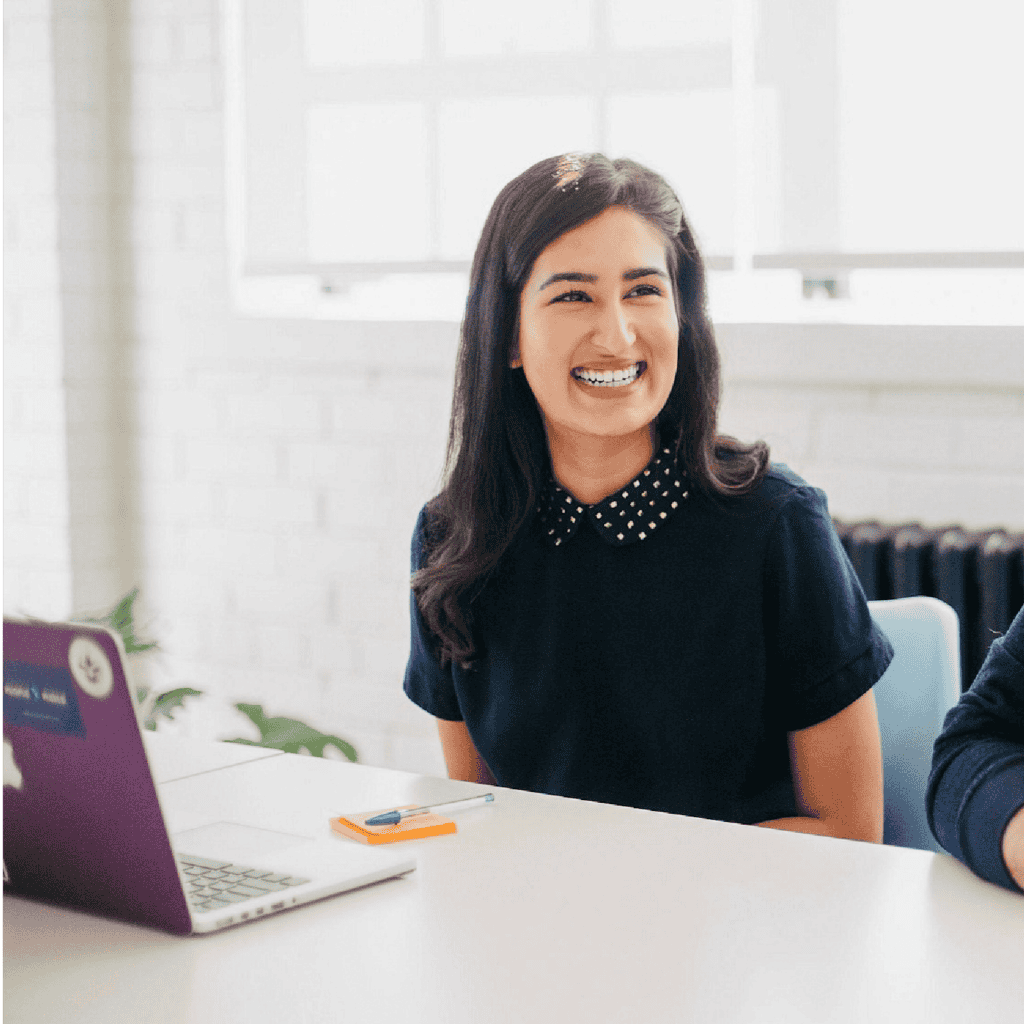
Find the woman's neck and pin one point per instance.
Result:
(592, 468)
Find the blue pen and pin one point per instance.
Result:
(394, 817)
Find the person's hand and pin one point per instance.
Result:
(1013, 847)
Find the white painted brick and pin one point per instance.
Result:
(161, 459)
(977, 501)
(41, 453)
(335, 654)
(220, 460)
(179, 8)
(40, 591)
(184, 412)
(949, 402)
(159, 272)
(891, 441)
(370, 415)
(360, 467)
(29, 178)
(162, 504)
(42, 496)
(191, 89)
(201, 138)
(237, 642)
(14, 410)
(290, 600)
(40, 408)
(36, 361)
(280, 506)
(160, 180)
(244, 379)
(266, 415)
(29, 138)
(203, 225)
(41, 540)
(854, 493)
(26, 39)
(32, 269)
(28, 86)
(411, 754)
(152, 43)
(154, 227)
(196, 40)
(23, 9)
(363, 706)
(284, 648)
(988, 442)
(224, 550)
(327, 560)
(152, 137)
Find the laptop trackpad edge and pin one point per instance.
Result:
(239, 844)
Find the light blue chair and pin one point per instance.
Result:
(921, 684)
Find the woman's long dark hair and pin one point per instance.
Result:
(497, 460)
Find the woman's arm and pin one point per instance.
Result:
(837, 775)
(460, 754)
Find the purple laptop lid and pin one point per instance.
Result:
(82, 823)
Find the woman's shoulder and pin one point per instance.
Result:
(781, 488)
(428, 532)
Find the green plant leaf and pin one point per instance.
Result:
(291, 735)
(121, 619)
(167, 703)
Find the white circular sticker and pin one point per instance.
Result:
(90, 667)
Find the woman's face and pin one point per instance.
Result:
(598, 331)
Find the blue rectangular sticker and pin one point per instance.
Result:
(42, 697)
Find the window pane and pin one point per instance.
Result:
(688, 138)
(470, 28)
(483, 144)
(347, 34)
(929, 114)
(366, 193)
(660, 23)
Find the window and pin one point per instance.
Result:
(862, 150)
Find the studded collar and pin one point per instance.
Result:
(627, 516)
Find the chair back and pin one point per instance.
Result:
(920, 685)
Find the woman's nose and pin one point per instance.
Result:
(616, 331)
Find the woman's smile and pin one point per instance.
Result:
(609, 378)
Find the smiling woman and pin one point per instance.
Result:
(611, 601)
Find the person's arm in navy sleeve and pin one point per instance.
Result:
(976, 788)
(828, 654)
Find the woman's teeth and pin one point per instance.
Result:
(609, 378)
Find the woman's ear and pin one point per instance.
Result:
(515, 360)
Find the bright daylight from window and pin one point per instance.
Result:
(828, 176)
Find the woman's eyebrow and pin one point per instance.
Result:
(629, 275)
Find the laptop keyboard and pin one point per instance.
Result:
(212, 884)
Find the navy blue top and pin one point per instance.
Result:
(977, 779)
(659, 661)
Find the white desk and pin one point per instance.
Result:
(544, 909)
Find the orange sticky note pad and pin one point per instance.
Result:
(423, 825)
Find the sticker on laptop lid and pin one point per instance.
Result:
(43, 697)
(12, 773)
(90, 667)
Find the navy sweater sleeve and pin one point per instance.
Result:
(977, 778)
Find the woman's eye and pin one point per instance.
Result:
(646, 289)
(574, 296)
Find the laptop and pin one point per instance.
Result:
(83, 824)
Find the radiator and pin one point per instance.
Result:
(980, 574)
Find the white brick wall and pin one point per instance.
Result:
(259, 479)
(37, 553)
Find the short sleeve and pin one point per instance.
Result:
(977, 779)
(426, 682)
(823, 648)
